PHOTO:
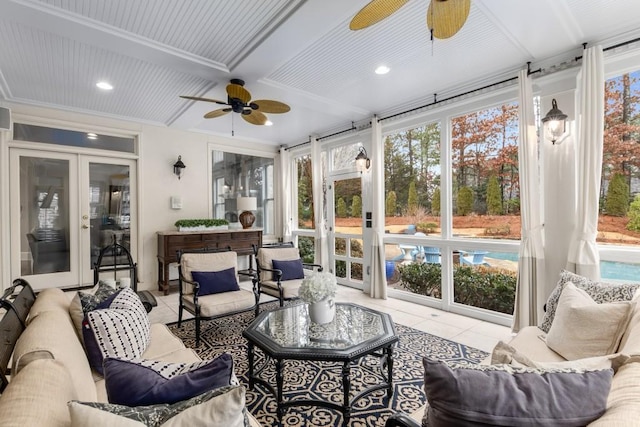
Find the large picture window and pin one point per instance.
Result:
(240, 175)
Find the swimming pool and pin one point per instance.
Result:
(608, 269)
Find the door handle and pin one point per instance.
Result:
(85, 226)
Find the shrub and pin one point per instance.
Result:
(494, 201)
(465, 201)
(484, 287)
(341, 208)
(391, 203)
(427, 227)
(617, 201)
(435, 203)
(634, 215)
(356, 206)
(307, 249)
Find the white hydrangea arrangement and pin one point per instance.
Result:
(318, 286)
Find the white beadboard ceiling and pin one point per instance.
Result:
(52, 52)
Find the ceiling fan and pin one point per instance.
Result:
(239, 101)
(444, 17)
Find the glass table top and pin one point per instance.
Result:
(353, 325)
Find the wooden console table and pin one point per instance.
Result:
(169, 242)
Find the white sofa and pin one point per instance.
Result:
(50, 367)
(623, 401)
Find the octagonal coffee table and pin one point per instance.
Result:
(288, 334)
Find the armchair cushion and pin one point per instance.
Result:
(215, 282)
(266, 256)
(291, 269)
(148, 382)
(513, 396)
(203, 261)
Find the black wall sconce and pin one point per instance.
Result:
(362, 160)
(555, 124)
(178, 167)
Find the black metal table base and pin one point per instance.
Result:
(347, 406)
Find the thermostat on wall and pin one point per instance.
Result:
(176, 202)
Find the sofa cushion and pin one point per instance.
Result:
(513, 396)
(531, 341)
(630, 343)
(221, 407)
(47, 300)
(291, 269)
(623, 404)
(599, 291)
(120, 331)
(162, 342)
(37, 396)
(51, 335)
(148, 382)
(582, 328)
(85, 301)
(215, 282)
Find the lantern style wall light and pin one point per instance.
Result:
(178, 167)
(555, 124)
(362, 160)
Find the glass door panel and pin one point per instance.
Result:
(347, 245)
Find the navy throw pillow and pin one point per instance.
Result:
(215, 282)
(150, 382)
(290, 269)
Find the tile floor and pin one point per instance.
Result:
(462, 329)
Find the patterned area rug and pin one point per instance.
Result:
(323, 379)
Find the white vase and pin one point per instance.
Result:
(322, 312)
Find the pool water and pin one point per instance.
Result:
(608, 269)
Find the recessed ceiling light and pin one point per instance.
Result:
(92, 135)
(382, 69)
(268, 123)
(104, 85)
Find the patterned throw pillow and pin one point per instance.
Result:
(505, 395)
(121, 331)
(148, 382)
(599, 291)
(220, 407)
(84, 302)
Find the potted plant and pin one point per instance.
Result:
(201, 224)
(319, 290)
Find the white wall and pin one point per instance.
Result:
(159, 150)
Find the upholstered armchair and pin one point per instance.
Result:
(209, 287)
(280, 270)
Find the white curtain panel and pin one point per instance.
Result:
(583, 254)
(378, 276)
(530, 289)
(321, 244)
(286, 195)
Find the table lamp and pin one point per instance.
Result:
(246, 205)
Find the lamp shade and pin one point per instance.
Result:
(247, 203)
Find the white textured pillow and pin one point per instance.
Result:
(583, 328)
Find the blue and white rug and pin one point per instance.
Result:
(323, 380)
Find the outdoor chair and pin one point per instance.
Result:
(475, 258)
(209, 288)
(280, 270)
(431, 255)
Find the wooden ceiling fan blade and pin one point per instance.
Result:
(375, 11)
(238, 92)
(217, 113)
(271, 106)
(198, 98)
(446, 18)
(254, 117)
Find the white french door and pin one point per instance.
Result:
(345, 230)
(64, 208)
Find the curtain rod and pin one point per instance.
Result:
(438, 101)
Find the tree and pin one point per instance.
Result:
(617, 201)
(412, 199)
(435, 203)
(634, 215)
(341, 208)
(356, 206)
(465, 201)
(391, 204)
(494, 202)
